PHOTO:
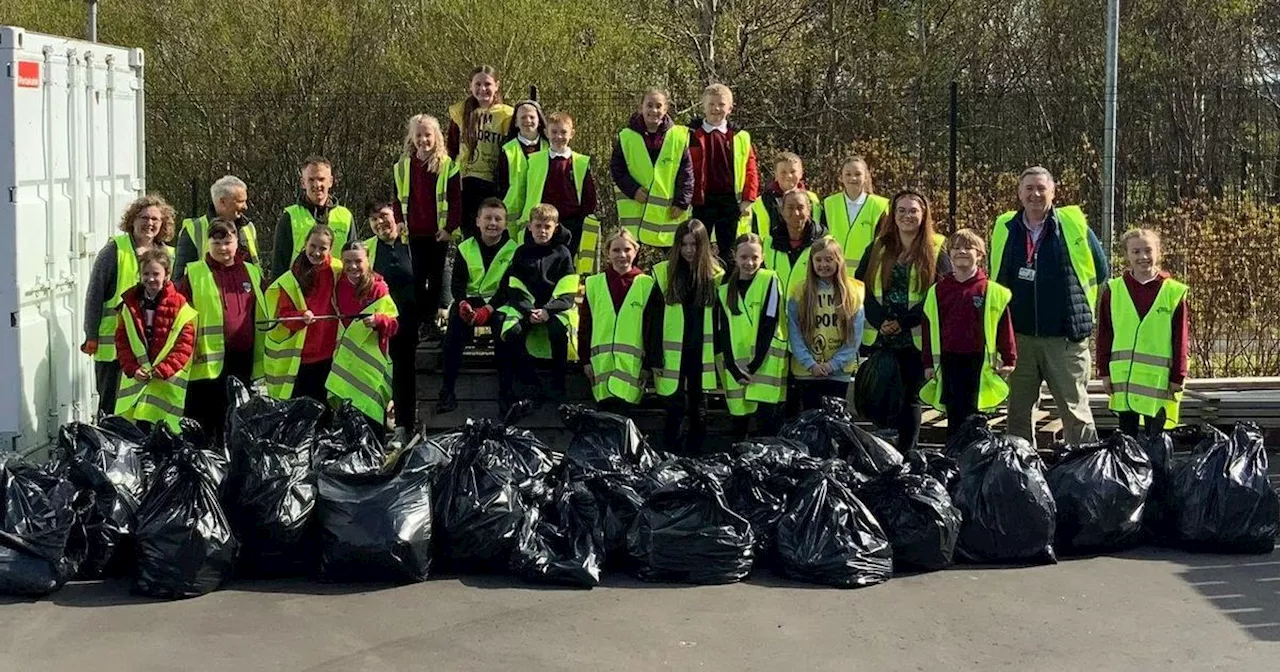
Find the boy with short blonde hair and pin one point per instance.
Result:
(726, 179)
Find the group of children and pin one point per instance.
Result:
(768, 295)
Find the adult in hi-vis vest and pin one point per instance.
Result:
(390, 257)
(898, 269)
(429, 208)
(146, 225)
(154, 340)
(1142, 338)
(611, 326)
(478, 268)
(726, 179)
(853, 214)
(315, 206)
(1052, 262)
(228, 200)
(681, 345)
(478, 127)
(749, 340)
(299, 347)
(652, 173)
(226, 290)
(561, 177)
(968, 336)
(528, 136)
(787, 245)
(361, 372)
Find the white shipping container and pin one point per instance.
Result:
(71, 160)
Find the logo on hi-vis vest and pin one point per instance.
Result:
(246, 287)
(979, 301)
(28, 74)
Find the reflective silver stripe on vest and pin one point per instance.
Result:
(211, 330)
(620, 375)
(660, 228)
(630, 221)
(210, 357)
(366, 358)
(1141, 391)
(1121, 356)
(616, 348)
(161, 404)
(775, 351)
(658, 201)
(350, 379)
(283, 379)
(738, 393)
(286, 354)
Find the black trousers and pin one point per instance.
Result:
(106, 377)
(811, 392)
(961, 378)
(574, 227)
(207, 399)
(911, 368)
(311, 379)
(429, 258)
(403, 349)
(618, 407)
(768, 422)
(1129, 422)
(688, 403)
(456, 338)
(719, 212)
(474, 191)
(514, 358)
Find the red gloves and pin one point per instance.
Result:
(466, 312)
(482, 316)
(89, 348)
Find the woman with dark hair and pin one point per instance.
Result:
(391, 258)
(899, 266)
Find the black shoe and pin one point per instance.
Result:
(447, 403)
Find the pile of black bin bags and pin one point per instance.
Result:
(296, 490)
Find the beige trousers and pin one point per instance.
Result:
(1065, 366)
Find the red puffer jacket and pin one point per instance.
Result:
(169, 302)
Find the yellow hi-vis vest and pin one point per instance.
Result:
(769, 384)
(854, 237)
(1074, 228)
(206, 361)
(282, 355)
(617, 339)
(741, 156)
(586, 257)
(198, 231)
(826, 332)
(127, 275)
(301, 222)
(789, 275)
(915, 294)
(667, 379)
(159, 399)
(650, 222)
(762, 223)
(992, 389)
(517, 169)
(400, 170)
(361, 373)
(483, 282)
(1142, 352)
(536, 342)
(481, 161)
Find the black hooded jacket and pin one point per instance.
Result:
(539, 268)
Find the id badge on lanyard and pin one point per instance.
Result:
(1028, 272)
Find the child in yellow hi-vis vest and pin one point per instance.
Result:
(535, 302)
(653, 172)
(361, 370)
(1142, 338)
(824, 324)
(611, 326)
(749, 341)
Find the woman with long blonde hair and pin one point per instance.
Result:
(824, 323)
(898, 268)
(429, 200)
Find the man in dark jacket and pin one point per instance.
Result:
(315, 206)
(229, 200)
(1054, 264)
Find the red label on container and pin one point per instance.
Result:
(29, 74)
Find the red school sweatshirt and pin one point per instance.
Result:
(1144, 296)
(960, 308)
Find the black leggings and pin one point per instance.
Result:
(1129, 422)
(812, 391)
(107, 378)
(720, 214)
(474, 191)
(911, 368)
(688, 402)
(429, 258)
(514, 358)
(207, 399)
(768, 422)
(311, 379)
(961, 378)
(403, 350)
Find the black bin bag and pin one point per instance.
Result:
(829, 431)
(272, 491)
(829, 537)
(917, 514)
(1224, 503)
(496, 479)
(107, 468)
(185, 545)
(605, 442)
(1007, 508)
(1100, 491)
(376, 525)
(764, 474)
(686, 533)
(1159, 518)
(561, 542)
(878, 391)
(36, 520)
(350, 445)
